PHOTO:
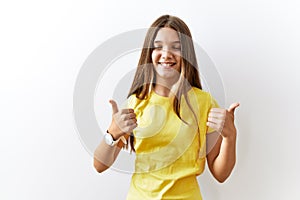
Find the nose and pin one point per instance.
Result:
(166, 53)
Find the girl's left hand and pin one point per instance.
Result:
(222, 120)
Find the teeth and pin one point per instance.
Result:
(167, 64)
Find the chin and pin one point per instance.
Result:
(169, 75)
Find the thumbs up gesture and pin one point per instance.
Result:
(222, 120)
(123, 121)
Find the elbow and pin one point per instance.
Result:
(222, 176)
(221, 179)
(99, 167)
(99, 170)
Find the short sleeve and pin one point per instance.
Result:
(130, 102)
(213, 104)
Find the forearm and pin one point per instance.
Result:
(225, 160)
(105, 155)
(123, 121)
(221, 159)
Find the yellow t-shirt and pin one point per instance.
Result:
(170, 153)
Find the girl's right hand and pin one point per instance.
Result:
(123, 121)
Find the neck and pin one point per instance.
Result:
(165, 90)
(166, 86)
(162, 90)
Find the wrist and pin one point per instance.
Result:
(114, 133)
(231, 138)
(112, 140)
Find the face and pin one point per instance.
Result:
(166, 56)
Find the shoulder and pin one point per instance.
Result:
(203, 97)
(200, 94)
(132, 101)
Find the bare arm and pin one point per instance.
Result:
(221, 144)
(222, 157)
(105, 155)
(123, 121)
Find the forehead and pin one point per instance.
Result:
(166, 35)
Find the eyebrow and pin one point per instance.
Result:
(158, 41)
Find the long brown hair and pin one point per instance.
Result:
(145, 78)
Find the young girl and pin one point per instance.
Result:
(170, 123)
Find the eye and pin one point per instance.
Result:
(158, 47)
(177, 48)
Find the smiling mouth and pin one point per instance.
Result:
(167, 64)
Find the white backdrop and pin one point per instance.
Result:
(255, 46)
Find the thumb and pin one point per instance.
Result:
(232, 107)
(114, 106)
